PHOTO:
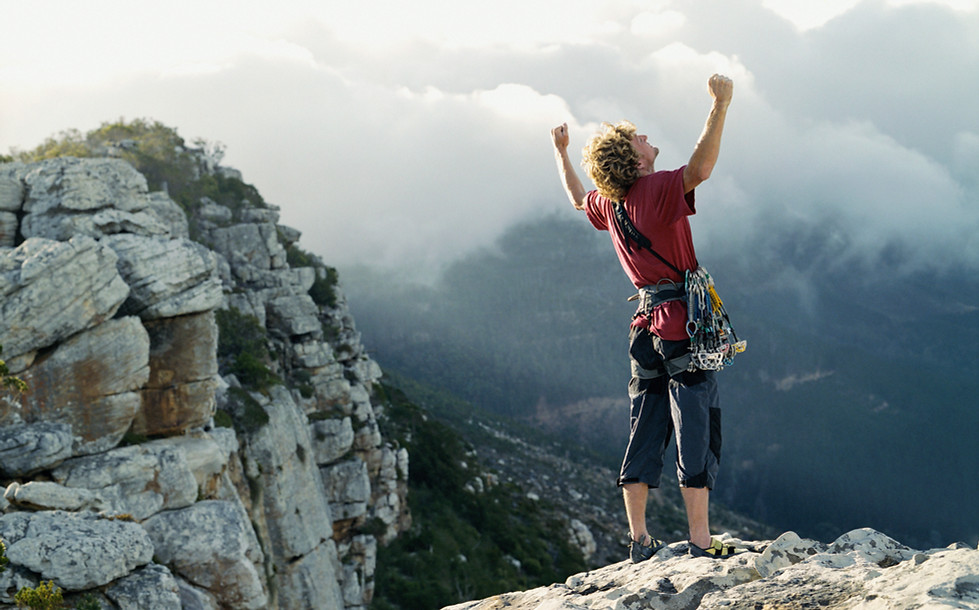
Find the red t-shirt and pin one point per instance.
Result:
(658, 207)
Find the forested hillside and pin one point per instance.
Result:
(855, 401)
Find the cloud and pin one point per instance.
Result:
(419, 147)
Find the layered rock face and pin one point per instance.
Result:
(119, 483)
(862, 569)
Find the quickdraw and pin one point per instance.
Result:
(713, 342)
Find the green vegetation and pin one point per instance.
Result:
(323, 290)
(160, 154)
(462, 545)
(246, 414)
(46, 596)
(3, 556)
(242, 349)
(9, 382)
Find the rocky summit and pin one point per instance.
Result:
(138, 472)
(863, 569)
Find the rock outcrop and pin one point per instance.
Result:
(133, 470)
(862, 569)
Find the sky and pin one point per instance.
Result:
(405, 135)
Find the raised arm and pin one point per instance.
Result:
(569, 177)
(705, 153)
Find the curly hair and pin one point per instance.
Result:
(611, 161)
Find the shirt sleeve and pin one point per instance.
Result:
(596, 208)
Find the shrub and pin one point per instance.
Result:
(242, 349)
(46, 596)
(8, 381)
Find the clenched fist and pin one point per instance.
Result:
(721, 88)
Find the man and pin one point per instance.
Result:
(667, 398)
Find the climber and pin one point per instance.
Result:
(675, 399)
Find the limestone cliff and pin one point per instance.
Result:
(142, 469)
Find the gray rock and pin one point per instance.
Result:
(293, 316)
(51, 290)
(310, 581)
(206, 544)
(193, 598)
(348, 487)
(313, 354)
(213, 212)
(45, 495)
(8, 229)
(76, 551)
(788, 549)
(89, 382)
(292, 504)
(269, 215)
(12, 186)
(29, 448)
(140, 480)
(169, 214)
(63, 226)
(331, 439)
(180, 391)
(12, 580)
(870, 545)
(167, 277)
(249, 249)
(289, 235)
(151, 587)
(83, 185)
(207, 456)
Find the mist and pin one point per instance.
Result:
(408, 152)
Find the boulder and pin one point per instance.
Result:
(206, 544)
(331, 439)
(788, 549)
(51, 290)
(45, 495)
(152, 586)
(29, 448)
(194, 598)
(249, 249)
(348, 487)
(139, 480)
(183, 375)
(293, 316)
(12, 186)
(310, 580)
(167, 277)
(83, 185)
(8, 229)
(76, 551)
(67, 197)
(90, 383)
(12, 580)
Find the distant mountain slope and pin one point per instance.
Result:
(854, 405)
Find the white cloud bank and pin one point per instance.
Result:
(411, 137)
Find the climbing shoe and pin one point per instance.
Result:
(716, 550)
(641, 552)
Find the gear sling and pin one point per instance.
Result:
(713, 342)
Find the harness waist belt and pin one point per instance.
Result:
(651, 296)
(674, 366)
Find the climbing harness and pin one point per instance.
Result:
(713, 342)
